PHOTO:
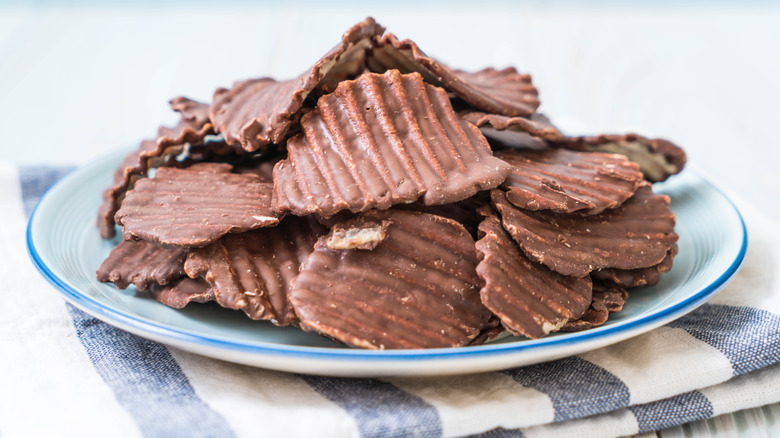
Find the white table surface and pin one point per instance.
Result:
(79, 80)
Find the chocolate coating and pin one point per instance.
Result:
(607, 298)
(195, 206)
(383, 140)
(418, 288)
(142, 264)
(463, 212)
(567, 181)
(637, 234)
(532, 132)
(638, 277)
(494, 330)
(254, 271)
(193, 127)
(257, 112)
(122, 179)
(503, 91)
(194, 117)
(393, 152)
(530, 299)
(536, 125)
(264, 169)
(658, 159)
(182, 292)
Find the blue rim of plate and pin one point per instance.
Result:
(109, 314)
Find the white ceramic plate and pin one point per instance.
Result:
(64, 244)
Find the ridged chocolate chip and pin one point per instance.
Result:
(195, 206)
(418, 288)
(607, 298)
(638, 234)
(254, 271)
(382, 140)
(142, 264)
(258, 112)
(502, 91)
(567, 181)
(530, 299)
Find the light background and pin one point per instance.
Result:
(82, 79)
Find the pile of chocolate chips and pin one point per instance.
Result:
(386, 200)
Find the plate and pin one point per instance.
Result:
(64, 244)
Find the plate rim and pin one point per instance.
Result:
(177, 336)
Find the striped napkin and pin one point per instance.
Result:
(64, 373)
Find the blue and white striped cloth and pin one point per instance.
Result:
(64, 373)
